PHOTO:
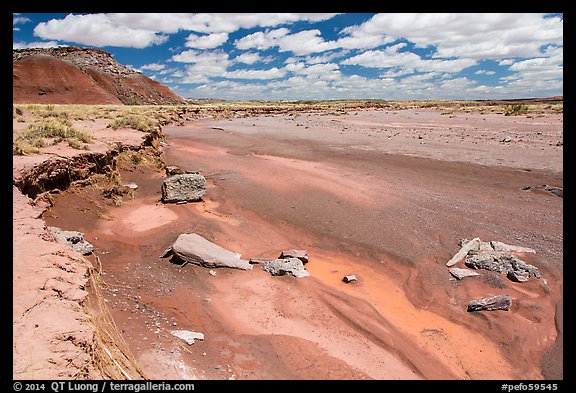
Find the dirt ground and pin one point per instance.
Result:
(384, 195)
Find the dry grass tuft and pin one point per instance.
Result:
(112, 356)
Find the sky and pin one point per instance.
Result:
(315, 56)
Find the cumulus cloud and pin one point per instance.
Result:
(303, 42)
(485, 72)
(261, 40)
(272, 73)
(229, 22)
(97, 30)
(309, 60)
(153, 67)
(36, 44)
(478, 35)
(139, 30)
(206, 41)
(390, 57)
(16, 19)
(202, 65)
(248, 58)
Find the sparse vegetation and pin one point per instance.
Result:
(49, 132)
(516, 110)
(137, 122)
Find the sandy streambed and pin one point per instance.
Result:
(381, 195)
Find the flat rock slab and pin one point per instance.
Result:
(462, 273)
(186, 187)
(188, 335)
(499, 246)
(300, 254)
(498, 302)
(193, 248)
(281, 267)
(73, 239)
(473, 244)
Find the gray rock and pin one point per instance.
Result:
(260, 260)
(499, 246)
(280, 267)
(300, 254)
(485, 246)
(183, 187)
(501, 262)
(193, 248)
(506, 139)
(73, 239)
(349, 278)
(498, 302)
(174, 170)
(517, 277)
(462, 273)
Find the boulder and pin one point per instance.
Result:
(73, 239)
(186, 187)
(502, 262)
(473, 244)
(193, 248)
(462, 273)
(498, 302)
(300, 254)
(349, 278)
(281, 267)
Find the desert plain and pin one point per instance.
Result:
(385, 193)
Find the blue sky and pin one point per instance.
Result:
(288, 56)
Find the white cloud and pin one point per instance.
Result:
(272, 73)
(305, 42)
(478, 35)
(202, 65)
(96, 30)
(193, 56)
(261, 40)
(485, 72)
(210, 23)
(391, 58)
(37, 44)
(248, 58)
(506, 62)
(140, 30)
(362, 37)
(542, 68)
(153, 67)
(206, 41)
(302, 43)
(323, 58)
(312, 70)
(20, 19)
(229, 22)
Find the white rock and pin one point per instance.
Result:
(188, 335)
(473, 244)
